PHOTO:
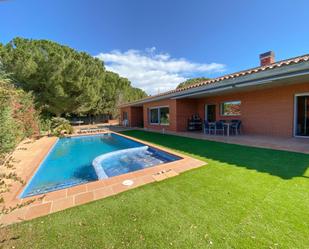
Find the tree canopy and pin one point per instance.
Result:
(63, 80)
(190, 82)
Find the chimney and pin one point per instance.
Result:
(267, 58)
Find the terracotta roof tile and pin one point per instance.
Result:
(282, 63)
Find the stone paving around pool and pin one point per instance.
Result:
(28, 157)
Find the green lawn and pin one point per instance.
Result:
(244, 198)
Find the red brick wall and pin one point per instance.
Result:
(185, 109)
(135, 116)
(172, 112)
(264, 112)
(217, 100)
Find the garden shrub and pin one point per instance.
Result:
(61, 126)
(18, 117)
(45, 125)
(18, 120)
(8, 130)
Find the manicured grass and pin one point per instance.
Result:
(244, 198)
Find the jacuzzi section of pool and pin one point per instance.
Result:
(70, 161)
(128, 160)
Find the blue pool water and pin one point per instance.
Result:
(78, 160)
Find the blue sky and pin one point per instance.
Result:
(157, 44)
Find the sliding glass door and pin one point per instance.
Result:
(302, 115)
(210, 113)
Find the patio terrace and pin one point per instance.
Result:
(300, 145)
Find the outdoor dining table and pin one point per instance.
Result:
(226, 124)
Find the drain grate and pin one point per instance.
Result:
(128, 182)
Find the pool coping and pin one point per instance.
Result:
(59, 200)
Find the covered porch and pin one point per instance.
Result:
(278, 111)
(272, 107)
(269, 142)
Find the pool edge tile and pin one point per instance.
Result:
(38, 210)
(77, 189)
(62, 204)
(55, 195)
(103, 192)
(83, 198)
(95, 185)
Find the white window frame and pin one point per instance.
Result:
(228, 115)
(159, 115)
(295, 114)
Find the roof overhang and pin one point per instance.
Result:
(295, 73)
(293, 78)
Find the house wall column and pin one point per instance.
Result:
(135, 116)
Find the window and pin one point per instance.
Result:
(164, 115)
(159, 115)
(154, 116)
(302, 115)
(230, 108)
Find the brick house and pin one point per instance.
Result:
(272, 99)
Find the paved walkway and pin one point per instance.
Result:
(289, 144)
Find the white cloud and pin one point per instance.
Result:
(154, 72)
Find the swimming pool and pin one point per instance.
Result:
(76, 160)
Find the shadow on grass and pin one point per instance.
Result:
(278, 163)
